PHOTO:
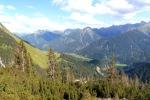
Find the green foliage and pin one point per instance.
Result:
(53, 70)
(79, 57)
(8, 44)
(23, 59)
(79, 66)
(7, 47)
(22, 81)
(19, 85)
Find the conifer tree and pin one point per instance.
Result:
(18, 59)
(112, 70)
(29, 69)
(113, 66)
(23, 53)
(68, 75)
(23, 59)
(136, 81)
(53, 71)
(124, 78)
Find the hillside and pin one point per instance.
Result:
(78, 64)
(114, 30)
(41, 38)
(70, 40)
(8, 42)
(129, 47)
(74, 49)
(7, 46)
(141, 70)
(75, 82)
(129, 42)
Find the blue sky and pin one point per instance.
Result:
(27, 16)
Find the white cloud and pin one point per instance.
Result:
(145, 1)
(81, 6)
(129, 16)
(59, 2)
(19, 23)
(82, 13)
(24, 24)
(120, 8)
(111, 7)
(102, 9)
(119, 5)
(85, 19)
(1, 8)
(141, 2)
(135, 16)
(10, 7)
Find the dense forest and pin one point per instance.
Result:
(22, 80)
(74, 50)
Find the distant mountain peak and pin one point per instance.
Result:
(143, 22)
(87, 29)
(97, 43)
(67, 31)
(40, 31)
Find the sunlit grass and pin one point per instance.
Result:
(79, 57)
(38, 56)
(121, 65)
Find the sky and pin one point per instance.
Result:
(28, 16)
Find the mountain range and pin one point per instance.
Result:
(130, 47)
(80, 38)
(9, 43)
(129, 43)
(27, 77)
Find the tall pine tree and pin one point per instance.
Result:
(23, 59)
(53, 70)
(67, 75)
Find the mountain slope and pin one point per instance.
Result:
(141, 69)
(77, 63)
(8, 43)
(41, 38)
(81, 66)
(128, 47)
(75, 40)
(7, 46)
(130, 42)
(115, 30)
(72, 40)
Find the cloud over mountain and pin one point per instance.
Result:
(28, 16)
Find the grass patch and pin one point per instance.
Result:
(79, 57)
(38, 56)
(121, 65)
